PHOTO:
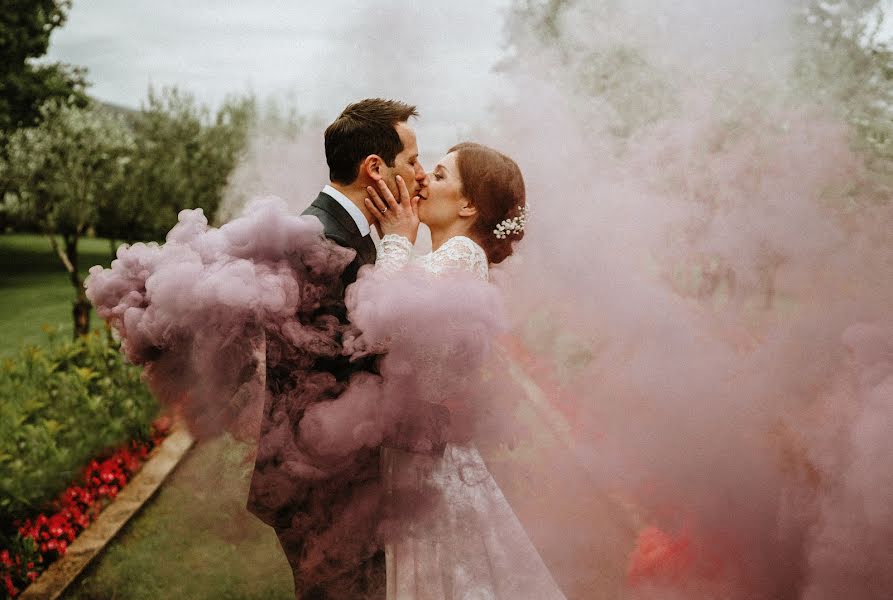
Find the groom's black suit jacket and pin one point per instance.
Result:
(339, 227)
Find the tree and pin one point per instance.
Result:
(25, 29)
(618, 77)
(842, 62)
(182, 158)
(62, 171)
(849, 66)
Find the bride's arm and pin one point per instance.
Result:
(394, 254)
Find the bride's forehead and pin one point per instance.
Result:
(448, 162)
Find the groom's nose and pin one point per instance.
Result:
(421, 176)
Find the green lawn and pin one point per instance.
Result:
(35, 290)
(193, 540)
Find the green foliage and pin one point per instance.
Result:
(66, 167)
(62, 171)
(636, 92)
(846, 64)
(182, 158)
(25, 29)
(841, 62)
(68, 175)
(60, 406)
(617, 77)
(89, 170)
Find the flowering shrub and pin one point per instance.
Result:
(40, 540)
(61, 405)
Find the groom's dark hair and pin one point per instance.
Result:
(363, 128)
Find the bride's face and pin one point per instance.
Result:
(445, 202)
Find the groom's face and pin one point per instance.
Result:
(407, 165)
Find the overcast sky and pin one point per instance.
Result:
(323, 54)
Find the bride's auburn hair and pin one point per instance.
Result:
(494, 184)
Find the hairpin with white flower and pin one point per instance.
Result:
(514, 225)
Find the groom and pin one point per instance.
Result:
(371, 140)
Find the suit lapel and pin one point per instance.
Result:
(329, 205)
(364, 245)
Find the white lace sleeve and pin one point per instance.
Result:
(458, 254)
(394, 254)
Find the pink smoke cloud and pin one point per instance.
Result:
(234, 326)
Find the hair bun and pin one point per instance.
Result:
(493, 182)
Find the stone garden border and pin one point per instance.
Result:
(62, 573)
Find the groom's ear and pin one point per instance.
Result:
(372, 167)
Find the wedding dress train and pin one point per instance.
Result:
(468, 543)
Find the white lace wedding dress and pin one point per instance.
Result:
(470, 544)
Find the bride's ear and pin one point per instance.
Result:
(468, 209)
(372, 167)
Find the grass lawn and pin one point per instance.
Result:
(35, 290)
(193, 540)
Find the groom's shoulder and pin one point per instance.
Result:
(314, 211)
(324, 208)
(321, 208)
(318, 205)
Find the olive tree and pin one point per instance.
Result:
(182, 157)
(62, 171)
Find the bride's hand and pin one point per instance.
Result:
(401, 218)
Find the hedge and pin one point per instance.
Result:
(61, 405)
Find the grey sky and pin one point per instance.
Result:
(320, 54)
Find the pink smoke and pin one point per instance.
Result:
(700, 306)
(195, 309)
(434, 334)
(710, 293)
(235, 328)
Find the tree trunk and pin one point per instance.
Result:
(81, 306)
(81, 314)
(81, 309)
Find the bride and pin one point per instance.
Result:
(471, 544)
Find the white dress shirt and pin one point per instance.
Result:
(355, 213)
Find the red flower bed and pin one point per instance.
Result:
(45, 538)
